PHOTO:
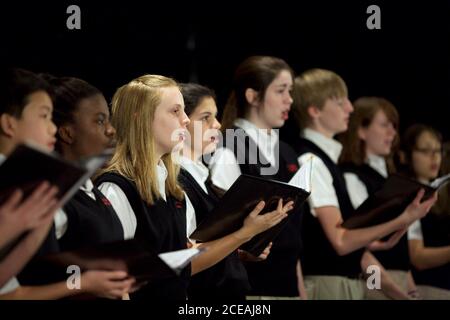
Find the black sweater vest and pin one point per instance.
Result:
(160, 228)
(226, 280)
(320, 258)
(436, 233)
(396, 258)
(277, 275)
(89, 223)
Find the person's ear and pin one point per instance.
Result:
(313, 112)
(66, 134)
(362, 133)
(251, 96)
(8, 124)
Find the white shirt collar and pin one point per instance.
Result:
(2, 157)
(197, 169)
(266, 142)
(331, 147)
(161, 171)
(378, 163)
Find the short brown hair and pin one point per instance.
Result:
(313, 88)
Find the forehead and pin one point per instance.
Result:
(94, 104)
(207, 104)
(171, 96)
(38, 100)
(283, 78)
(427, 138)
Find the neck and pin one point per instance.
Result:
(254, 118)
(423, 180)
(322, 131)
(69, 154)
(190, 153)
(6, 147)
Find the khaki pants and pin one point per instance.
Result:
(334, 288)
(400, 278)
(433, 293)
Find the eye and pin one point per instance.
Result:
(205, 118)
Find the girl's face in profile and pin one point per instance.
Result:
(170, 121)
(93, 131)
(426, 156)
(204, 127)
(379, 135)
(274, 108)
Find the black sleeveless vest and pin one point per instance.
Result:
(160, 228)
(436, 233)
(226, 280)
(89, 222)
(396, 258)
(320, 258)
(282, 262)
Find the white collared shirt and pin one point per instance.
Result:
(125, 212)
(323, 193)
(357, 190)
(224, 165)
(197, 170)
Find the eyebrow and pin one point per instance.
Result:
(178, 105)
(284, 85)
(48, 108)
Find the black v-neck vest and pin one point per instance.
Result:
(396, 258)
(226, 280)
(161, 227)
(320, 258)
(286, 250)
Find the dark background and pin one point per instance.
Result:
(407, 61)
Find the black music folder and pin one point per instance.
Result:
(236, 204)
(29, 165)
(391, 200)
(127, 255)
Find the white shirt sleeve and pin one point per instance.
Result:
(121, 205)
(191, 221)
(224, 168)
(322, 190)
(60, 221)
(415, 231)
(10, 286)
(357, 190)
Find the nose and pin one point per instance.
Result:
(52, 128)
(185, 120)
(217, 124)
(348, 106)
(110, 130)
(289, 98)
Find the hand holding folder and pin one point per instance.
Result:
(391, 200)
(236, 204)
(29, 166)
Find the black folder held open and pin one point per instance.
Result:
(28, 166)
(236, 204)
(127, 255)
(390, 201)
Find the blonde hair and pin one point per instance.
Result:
(313, 88)
(133, 112)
